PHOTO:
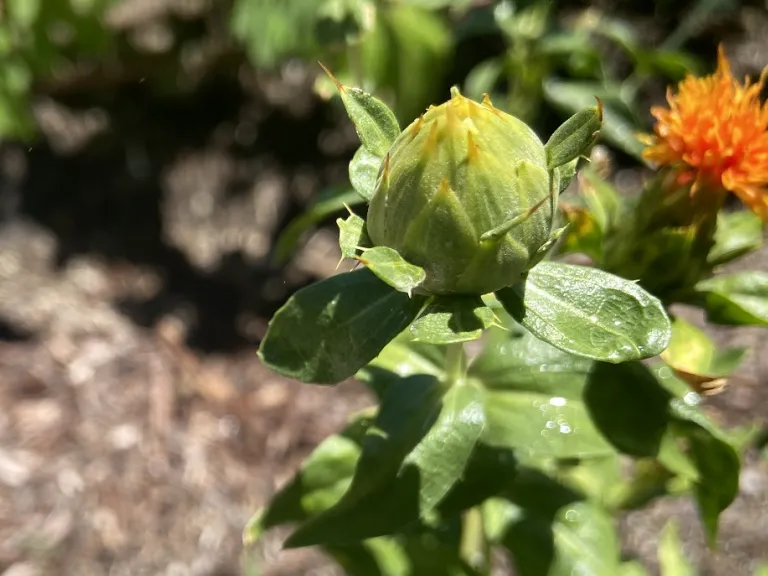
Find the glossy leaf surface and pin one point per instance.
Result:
(327, 331)
(393, 269)
(589, 313)
(415, 451)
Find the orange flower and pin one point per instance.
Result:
(715, 135)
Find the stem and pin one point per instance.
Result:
(474, 548)
(455, 364)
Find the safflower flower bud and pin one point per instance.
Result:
(465, 192)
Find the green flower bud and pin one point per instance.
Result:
(465, 193)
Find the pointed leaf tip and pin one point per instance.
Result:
(375, 123)
(393, 269)
(339, 85)
(574, 137)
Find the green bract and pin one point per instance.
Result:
(466, 194)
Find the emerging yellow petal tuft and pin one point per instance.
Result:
(715, 135)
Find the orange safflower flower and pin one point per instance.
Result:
(715, 135)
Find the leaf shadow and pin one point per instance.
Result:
(385, 493)
(628, 406)
(465, 319)
(289, 504)
(531, 539)
(513, 300)
(333, 328)
(391, 508)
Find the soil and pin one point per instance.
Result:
(138, 429)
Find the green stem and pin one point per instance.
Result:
(455, 364)
(474, 547)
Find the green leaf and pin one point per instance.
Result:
(628, 406)
(762, 570)
(565, 174)
(601, 198)
(737, 234)
(404, 357)
(709, 449)
(393, 269)
(400, 358)
(443, 454)
(378, 557)
(738, 299)
(320, 482)
(451, 319)
(422, 554)
(718, 484)
(697, 360)
(616, 128)
(334, 200)
(589, 312)
(488, 472)
(352, 235)
(574, 137)
(579, 539)
(672, 560)
(539, 425)
(519, 361)
(599, 479)
(375, 123)
(415, 451)
(328, 331)
(684, 404)
(534, 398)
(363, 172)
(650, 480)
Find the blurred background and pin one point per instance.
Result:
(170, 172)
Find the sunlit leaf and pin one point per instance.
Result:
(738, 299)
(363, 171)
(588, 312)
(328, 331)
(574, 137)
(672, 560)
(375, 123)
(393, 269)
(415, 451)
(697, 360)
(352, 235)
(737, 234)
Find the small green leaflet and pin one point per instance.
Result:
(392, 268)
(352, 235)
(375, 123)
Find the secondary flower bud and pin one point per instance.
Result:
(465, 193)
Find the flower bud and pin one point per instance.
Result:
(465, 193)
